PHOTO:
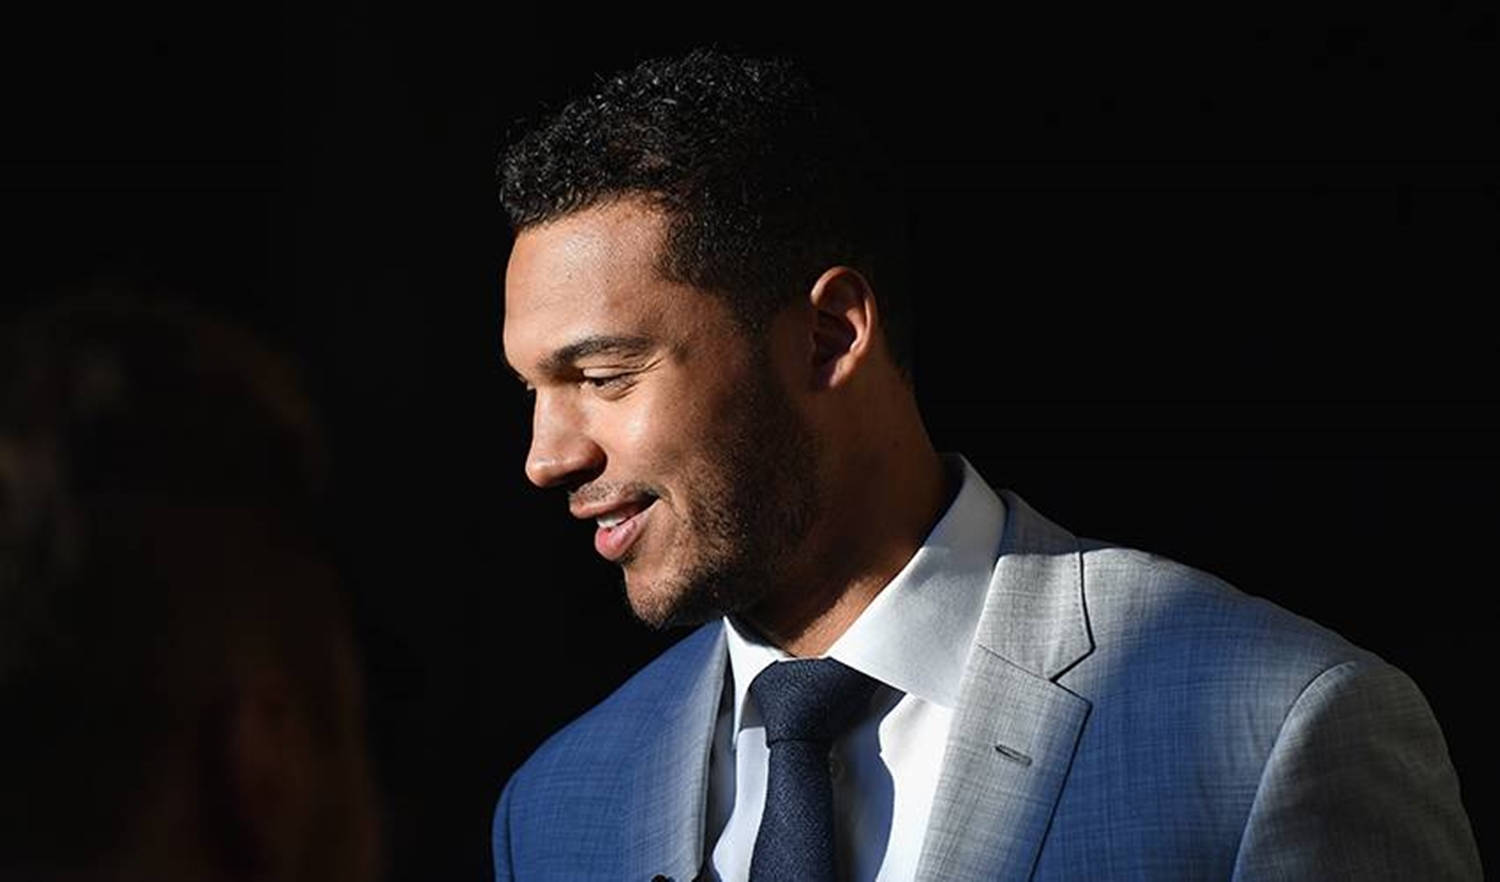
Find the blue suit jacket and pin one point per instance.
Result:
(1121, 717)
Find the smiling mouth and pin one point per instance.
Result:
(618, 530)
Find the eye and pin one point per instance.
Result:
(608, 382)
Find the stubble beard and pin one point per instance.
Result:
(745, 516)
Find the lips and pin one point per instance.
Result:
(620, 526)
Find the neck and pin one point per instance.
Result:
(884, 507)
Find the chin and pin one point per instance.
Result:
(691, 599)
(660, 609)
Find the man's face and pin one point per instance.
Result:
(667, 424)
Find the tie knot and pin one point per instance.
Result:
(809, 699)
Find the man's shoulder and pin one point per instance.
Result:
(561, 813)
(1139, 606)
(1146, 608)
(593, 747)
(1309, 741)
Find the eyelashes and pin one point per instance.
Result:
(609, 383)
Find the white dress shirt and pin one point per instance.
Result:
(914, 638)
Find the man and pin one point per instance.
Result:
(900, 673)
(177, 674)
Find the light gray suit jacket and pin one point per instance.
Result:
(1122, 717)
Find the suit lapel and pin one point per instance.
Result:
(668, 784)
(1014, 730)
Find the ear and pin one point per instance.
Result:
(259, 780)
(845, 324)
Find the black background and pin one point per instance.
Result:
(1216, 285)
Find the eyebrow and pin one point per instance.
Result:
(562, 358)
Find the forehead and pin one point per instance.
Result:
(590, 272)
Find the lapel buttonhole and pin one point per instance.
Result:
(1013, 755)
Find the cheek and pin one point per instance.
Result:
(652, 434)
(669, 424)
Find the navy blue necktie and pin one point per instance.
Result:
(806, 704)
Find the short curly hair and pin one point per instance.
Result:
(764, 181)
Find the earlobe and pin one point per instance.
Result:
(845, 323)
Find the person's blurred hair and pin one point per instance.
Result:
(160, 561)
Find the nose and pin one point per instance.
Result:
(562, 451)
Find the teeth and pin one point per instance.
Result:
(621, 515)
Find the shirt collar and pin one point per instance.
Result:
(915, 635)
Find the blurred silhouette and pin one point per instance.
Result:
(178, 681)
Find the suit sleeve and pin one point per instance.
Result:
(1358, 786)
(500, 837)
